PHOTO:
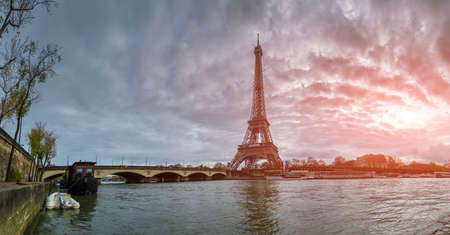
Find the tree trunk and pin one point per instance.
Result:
(30, 173)
(45, 164)
(35, 167)
(36, 175)
(41, 169)
(41, 173)
(13, 146)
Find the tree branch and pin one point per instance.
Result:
(7, 63)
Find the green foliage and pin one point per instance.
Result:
(14, 175)
(42, 147)
(35, 139)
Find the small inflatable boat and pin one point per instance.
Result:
(61, 201)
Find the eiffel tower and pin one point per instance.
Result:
(257, 144)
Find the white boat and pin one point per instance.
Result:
(307, 178)
(61, 201)
(113, 182)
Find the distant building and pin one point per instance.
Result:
(371, 161)
(378, 161)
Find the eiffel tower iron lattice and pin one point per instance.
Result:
(257, 144)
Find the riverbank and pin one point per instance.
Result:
(19, 205)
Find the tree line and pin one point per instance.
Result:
(24, 65)
(369, 162)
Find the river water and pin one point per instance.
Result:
(368, 206)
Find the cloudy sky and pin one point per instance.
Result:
(171, 80)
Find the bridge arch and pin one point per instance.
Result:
(130, 177)
(197, 176)
(159, 172)
(167, 176)
(53, 176)
(218, 176)
(50, 175)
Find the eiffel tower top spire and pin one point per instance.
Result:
(257, 35)
(258, 106)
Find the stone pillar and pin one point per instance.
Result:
(185, 179)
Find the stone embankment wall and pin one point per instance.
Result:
(21, 161)
(19, 205)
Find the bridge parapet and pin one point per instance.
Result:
(140, 171)
(100, 173)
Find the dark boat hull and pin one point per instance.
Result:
(85, 185)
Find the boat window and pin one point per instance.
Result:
(79, 170)
(88, 170)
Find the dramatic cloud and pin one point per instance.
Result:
(171, 80)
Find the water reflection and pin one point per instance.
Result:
(79, 219)
(84, 216)
(260, 202)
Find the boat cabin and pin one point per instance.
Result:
(82, 168)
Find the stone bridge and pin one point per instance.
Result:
(146, 174)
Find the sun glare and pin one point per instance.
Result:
(406, 118)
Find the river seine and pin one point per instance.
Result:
(369, 206)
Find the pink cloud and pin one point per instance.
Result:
(375, 81)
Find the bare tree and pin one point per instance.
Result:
(16, 13)
(35, 67)
(13, 15)
(9, 79)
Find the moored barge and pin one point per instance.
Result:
(81, 178)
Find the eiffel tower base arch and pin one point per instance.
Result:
(251, 154)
